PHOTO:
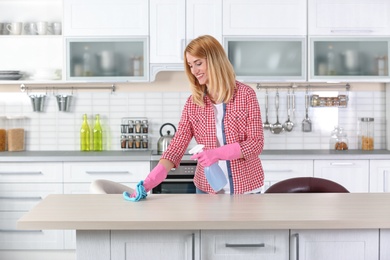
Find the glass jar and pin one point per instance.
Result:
(145, 126)
(137, 126)
(3, 133)
(123, 141)
(145, 143)
(338, 139)
(366, 133)
(15, 134)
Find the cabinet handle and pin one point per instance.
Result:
(19, 198)
(351, 31)
(341, 163)
(106, 172)
(296, 239)
(19, 231)
(245, 245)
(193, 246)
(20, 173)
(385, 179)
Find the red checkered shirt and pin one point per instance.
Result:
(242, 124)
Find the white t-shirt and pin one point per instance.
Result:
(218, 110)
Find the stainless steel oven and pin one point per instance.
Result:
(179, 180)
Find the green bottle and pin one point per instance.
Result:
(97, 135)
(85, 134)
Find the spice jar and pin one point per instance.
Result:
(3, 133)
(137, 126)
(145, 127)
(366, 133)
(145, 142)
(137, 142)
(130, 126)
(130, 142)
(123, 141)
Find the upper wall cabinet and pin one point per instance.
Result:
(173, 23)
(264, 17)
(267, 58)
(349, 17)
(106, 18)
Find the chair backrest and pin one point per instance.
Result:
(306, 185)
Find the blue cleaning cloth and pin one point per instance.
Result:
(141, 193)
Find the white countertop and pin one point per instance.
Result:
(224, 212)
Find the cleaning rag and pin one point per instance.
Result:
(140, 193)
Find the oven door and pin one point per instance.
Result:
(176, 184)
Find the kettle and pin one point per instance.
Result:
(164, 140)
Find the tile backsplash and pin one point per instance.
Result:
(55, 130)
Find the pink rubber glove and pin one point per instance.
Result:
(226, 152)
(155, 177)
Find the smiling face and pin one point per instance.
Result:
(198, 67)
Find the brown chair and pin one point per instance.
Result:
(306, 185)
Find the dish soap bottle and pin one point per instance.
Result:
(84, 135)
(97, 135)
(213, 173)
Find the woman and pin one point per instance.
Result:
(223, 115)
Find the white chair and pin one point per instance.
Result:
(108, 187)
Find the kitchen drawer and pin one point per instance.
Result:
(245, 244)
(114, 171)
(15, 239)
(354, 175)
(22, 197)
(31, 172)
(278, 170)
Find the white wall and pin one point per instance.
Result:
(162, 101)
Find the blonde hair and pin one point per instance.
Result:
(222, 78)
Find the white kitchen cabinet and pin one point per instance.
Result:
(107, 59)
(22, 186)
(348, 17)
(350, 59)
(121, 245)
(173, 23)
(379, 176)
(384, 249)
(31, 54)
(279, 170)
(267, 58)
(30, 172)
(264, 18)
(354, 175)
(115, 171)
(106, 18)
(334, 244)
(245, 244)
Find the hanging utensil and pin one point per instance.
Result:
(266, 124)
(288, 125)
(306, 123)
(277, 128)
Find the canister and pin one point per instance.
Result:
(3, 133)
(15, 133)
(366, 133)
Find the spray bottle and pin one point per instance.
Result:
(213, 173)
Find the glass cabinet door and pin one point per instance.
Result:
(349, 59)
(107, 59)
(267, 59)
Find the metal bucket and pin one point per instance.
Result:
(38, 102)
(63, 102)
